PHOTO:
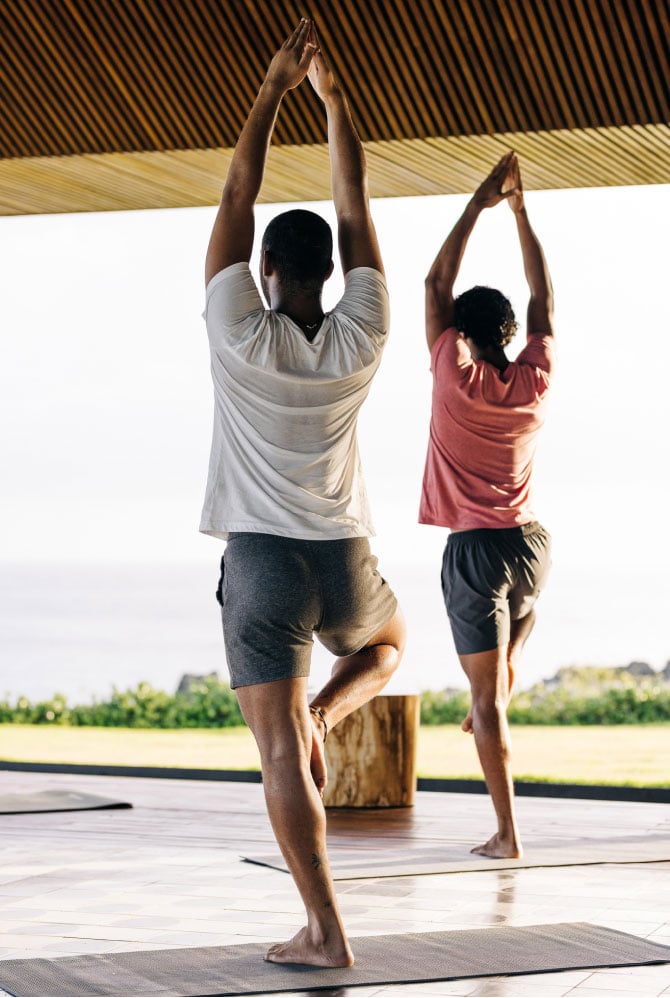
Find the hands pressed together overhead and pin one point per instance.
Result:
(502, 184)
(298, 57)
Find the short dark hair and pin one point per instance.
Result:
(300, 246)
(485, 316)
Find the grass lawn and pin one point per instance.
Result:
(632, 754)
(625, 754)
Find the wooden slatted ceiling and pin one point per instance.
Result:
(184, 177)
(90, 79)
(93, 76)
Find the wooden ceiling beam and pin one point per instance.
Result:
(559, 158)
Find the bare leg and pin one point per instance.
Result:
(519, 634)
(278, 716)
(354, 680)
(488, 675)
(290, 741)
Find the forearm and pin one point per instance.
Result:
(245, 174)
(442, 275)
(534, 264)
(347, 160)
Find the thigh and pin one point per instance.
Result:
(358, 602)
(270, 606)
(476, 579)
(532, 563)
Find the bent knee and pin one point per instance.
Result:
(394, 635)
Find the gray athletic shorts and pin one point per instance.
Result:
(489, 578)
(277, 592)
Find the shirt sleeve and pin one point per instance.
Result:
(450, 358)
(539, 352)
(231, 296)
(365, 300)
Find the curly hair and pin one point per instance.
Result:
(485, 316)
(300, 244)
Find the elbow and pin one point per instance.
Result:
(543, 300)
(433, 284)
(230, 194)
(438, 291)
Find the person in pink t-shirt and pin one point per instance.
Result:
(486, 415)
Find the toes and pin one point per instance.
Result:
(466, 725)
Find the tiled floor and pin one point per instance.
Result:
(168, 874)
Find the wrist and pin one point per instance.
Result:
(334, 97)
(272, 89)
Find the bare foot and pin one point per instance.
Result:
(498, 848)
(317, 762)
(304, 949)
(466, 724)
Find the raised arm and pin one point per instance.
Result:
(233, 233)
(356, 233)
(541, 303)
(442, 275)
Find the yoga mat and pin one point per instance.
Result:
(55, 800)
(389, 959)
(449, 857)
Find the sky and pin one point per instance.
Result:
(106, 405)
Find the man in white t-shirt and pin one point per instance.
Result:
(285, 488)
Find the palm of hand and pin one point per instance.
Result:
(286, 70)
(320, 76)
(290, 64)
(513, 183)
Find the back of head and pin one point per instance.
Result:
(485, 316)
(300, 246)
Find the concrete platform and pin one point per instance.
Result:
(168, 874)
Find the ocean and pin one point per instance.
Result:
(81, 629)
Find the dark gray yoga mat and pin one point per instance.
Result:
(449, 857)
(56, 800)
(389, 959)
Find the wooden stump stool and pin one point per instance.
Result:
(371, 755)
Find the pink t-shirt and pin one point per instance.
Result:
(483, 433)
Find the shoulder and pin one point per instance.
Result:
(234, 274)
(230, 297)
(539, 352)
(450, 354)
(365, 300)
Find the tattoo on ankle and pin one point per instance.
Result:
(316, 860)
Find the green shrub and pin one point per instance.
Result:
(209, 703)
(444, 708)
(582, 696)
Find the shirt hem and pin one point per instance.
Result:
(296, 533)
(478, 524)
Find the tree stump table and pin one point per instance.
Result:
(371, 755)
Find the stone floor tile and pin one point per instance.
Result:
(515, 986)
(655, 971)
(168, 874)
(432, 989)
(637, 980)
(604, 992)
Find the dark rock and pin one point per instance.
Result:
(639, 669)
(189, 679)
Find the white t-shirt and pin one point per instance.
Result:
(284, 456)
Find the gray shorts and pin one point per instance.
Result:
(277, 592)
(489, 578)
